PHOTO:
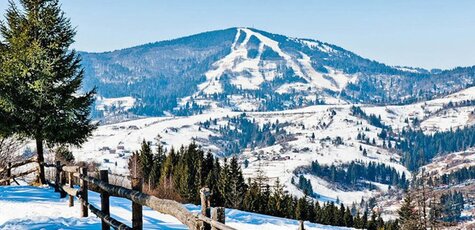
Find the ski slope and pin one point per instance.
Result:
(27, 207)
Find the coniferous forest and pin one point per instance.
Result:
(420, 148)
(180, 174)
(354, 174)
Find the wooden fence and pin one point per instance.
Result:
(8, 177)
(64, 183)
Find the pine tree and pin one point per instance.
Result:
(340, 218)
(358, 223)
(275, 202)
(224, 182)
(167, 169)
(158, 160)
(40, 78)
(348, 218)
(237, 184)
(301, 209)
(146, 161)
(408, 216)
(318, 213)
(364, 219)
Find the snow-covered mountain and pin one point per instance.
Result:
(245, 69)
(282, 105)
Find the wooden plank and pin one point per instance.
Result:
(169, 207)
(62, 182)
(214, 223)
(72, 169)
(107, 219)
(218, 214)
(137, 215)
(19, 175)
(205, 205)
(18, 164)
(71, 195)
(105, 206)
(72, 192)
(84, 188)
(57, 175)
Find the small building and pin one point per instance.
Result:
(105, 148)
(133, 127)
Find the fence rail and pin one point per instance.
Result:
(209, 218)
(8, 177)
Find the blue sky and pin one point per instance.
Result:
(420, 33)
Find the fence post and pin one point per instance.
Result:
(218, 214)
(62, 181)
(56, 179)
(9, 172)
(301, 225)
(104, 177)
(137, 218)
(84, 200)
(71, 183)
(205, 205)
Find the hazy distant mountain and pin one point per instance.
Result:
(246, 69)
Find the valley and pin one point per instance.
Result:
(279, 143)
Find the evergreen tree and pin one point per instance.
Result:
(364, 219)
(358, 223)
(301, 209)
(408, 216)
(340, 218)
(146, 162)
(224, 182)
(166, 172)
(40, 78)
(318, 213)
(348, 218)
(276, 200)
(158, 160)
(237, 184)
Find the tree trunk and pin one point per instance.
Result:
(41, 160)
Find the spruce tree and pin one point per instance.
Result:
(146, 161)
(301, 209)
(40, 78)
(224, 182)
(166, 172)
(408, 216)
(237, 184)
(348, 218)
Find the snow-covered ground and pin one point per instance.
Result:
(112, 144)
(432, 114)
(451, 162)
(27, 207)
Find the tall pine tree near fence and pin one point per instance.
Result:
(40, 78)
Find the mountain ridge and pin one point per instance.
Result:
(246, 69)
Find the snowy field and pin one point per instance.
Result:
(26, 207)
